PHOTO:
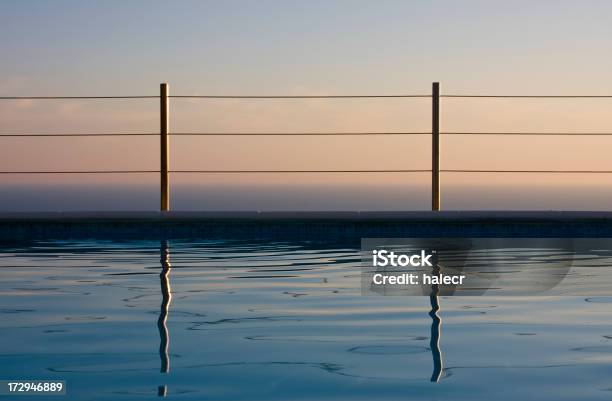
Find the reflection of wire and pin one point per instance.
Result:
(164, 336)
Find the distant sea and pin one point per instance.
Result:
(294, 197)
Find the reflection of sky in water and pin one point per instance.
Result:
(262, 320)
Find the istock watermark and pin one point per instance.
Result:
(486, 266)
(386, 258)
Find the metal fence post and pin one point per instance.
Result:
(435, 146)
(163, 147)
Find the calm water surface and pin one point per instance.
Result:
(271, 320)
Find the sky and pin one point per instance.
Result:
(86, 48)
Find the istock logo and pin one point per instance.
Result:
(382, 258)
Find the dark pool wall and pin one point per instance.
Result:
(304, 225)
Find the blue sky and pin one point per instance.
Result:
(287, 46)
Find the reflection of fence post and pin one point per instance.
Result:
(436, 326)
(163, 147)
(164, 334)
(435, 146)
(164, 277)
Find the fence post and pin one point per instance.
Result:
(435, 146)
(163, 147)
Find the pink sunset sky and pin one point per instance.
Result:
(307, 48)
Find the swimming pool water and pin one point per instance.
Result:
(255, 320)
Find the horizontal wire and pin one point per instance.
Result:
(308, 171)
(294, 133)
(213, 97)
(80, 134)
(529, 171)
(212, 171)
(82, 172)
(73, 97)
(225, 134)
(303, 97)
(298, 171)
(531, 133)
(533, 96)
(313, 134)
(294, 96)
